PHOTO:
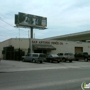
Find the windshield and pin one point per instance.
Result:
(54, 55)
(35, 55)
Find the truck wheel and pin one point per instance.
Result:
(86, 59)
(40, 61)
(64, 59)
(34, 61)
(51, 61)
(70, 60)
(23, 60)
(77, 59)
(58, 61)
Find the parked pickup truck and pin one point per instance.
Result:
(34, 57)
(82, 56)
(66, 56)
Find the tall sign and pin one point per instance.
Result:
(28, 20)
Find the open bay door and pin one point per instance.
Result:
(78, 49)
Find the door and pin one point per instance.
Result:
(78, 49)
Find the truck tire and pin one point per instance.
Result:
(58, 61)
(40, 61)
(34, 61)
(51, 61)
(64, 59)
(76, 59)
(86, 59)
(70, 60)
(23, 60)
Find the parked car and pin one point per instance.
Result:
(60, 55)
(53, 57)
(66, 56)
(34, 57)
(82, 56)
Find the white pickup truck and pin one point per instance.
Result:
(66, 56)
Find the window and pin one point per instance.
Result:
(42, 55)
(54, 55)
(35, 55)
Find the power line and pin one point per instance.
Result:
(3, 27)
(13, 27)
(6, 22)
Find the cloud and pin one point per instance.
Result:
(63, 16)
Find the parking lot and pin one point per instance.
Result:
(11, 66)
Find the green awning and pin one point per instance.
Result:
(43, 47)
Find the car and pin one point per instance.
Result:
(82, 56)
(34, 57)
(60, 55)
(66, 56)
(52, 57)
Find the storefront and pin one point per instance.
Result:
(39, 48)
(46, 46)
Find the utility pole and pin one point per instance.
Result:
(31, 39)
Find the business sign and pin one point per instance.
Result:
(85, 86)
(28, 20)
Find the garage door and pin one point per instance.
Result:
(78, 49)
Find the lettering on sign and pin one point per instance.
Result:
(44, 42)
(34, 41)
(48, 42)
(57, 43)
(61, 43)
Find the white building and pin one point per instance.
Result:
(46, 46)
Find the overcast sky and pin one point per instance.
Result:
(63, 17)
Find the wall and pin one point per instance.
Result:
(64, 46)
(4, 44)
(21, 43)
(61, 46)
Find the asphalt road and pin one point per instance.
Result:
(56, 79)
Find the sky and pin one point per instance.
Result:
(63, 17)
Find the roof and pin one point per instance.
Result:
(74, 36)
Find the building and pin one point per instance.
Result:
(44, 46)
(80, 36)
(72, 43)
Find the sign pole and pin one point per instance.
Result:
(31, 39)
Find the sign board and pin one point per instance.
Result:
(28, 20)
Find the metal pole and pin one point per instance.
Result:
(19, 38)
(31, 39)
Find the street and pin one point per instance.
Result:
(17, 75)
